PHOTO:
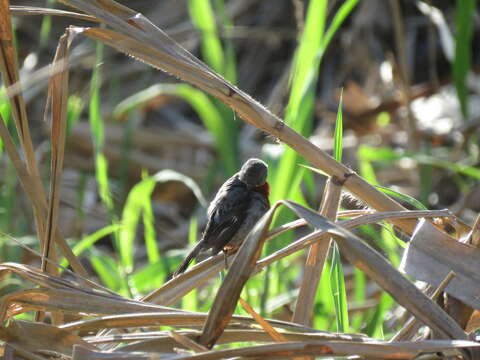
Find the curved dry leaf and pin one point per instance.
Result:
(177, 287)
(372, 350)
(35, 10)
(432, 254)
(178, 319)
(73, 302)
(35, 337)
(390, 279)
(229, 292)
(50, 281)
(161, 341)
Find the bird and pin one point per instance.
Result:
(239, 203)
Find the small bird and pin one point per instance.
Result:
(239, 203)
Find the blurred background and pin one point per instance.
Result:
(145, 149)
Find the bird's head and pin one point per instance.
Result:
(254, 173)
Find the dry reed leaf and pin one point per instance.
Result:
(269, 329)
(57, 102)
(33, 185)
(34, 10)
(72, 301)
(50, 281)
(228, 294)
(317, 254)
(35, 337)
(137, 36)
(83, 353)
(372, 350)
(161, 341)
(347, 224)
(432, 254)
(10, 76)
(187, 342)
(174, 318)
(377, 267)
(176, 288)
(412, 325)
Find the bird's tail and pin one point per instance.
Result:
(191, 255)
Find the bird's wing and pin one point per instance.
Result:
(221, 229)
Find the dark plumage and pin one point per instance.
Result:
(239, 203)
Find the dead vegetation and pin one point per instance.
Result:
(76, 318)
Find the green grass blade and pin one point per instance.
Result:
(97, 128)
(46, 27)
(230, 68)
(337, 280)
(338, 137)
(88, 241)
(464, 19)
(149, 277)
(107, 270)
(74, 110)
(203, 19)
(339, 293)
(403, 197)
(340, 16)
(299, 111)
(138, 202)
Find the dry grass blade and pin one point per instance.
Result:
(174, 318)
(310, 239)
(35, 337)
(50, 281)
(10, 76)
(34, 10)
(29, 175)
(162, 342)
(432, 254)
(316, 257)
(374, 265)
(82, 353)
(71, 301)
(9, 69)
(229, 292)
(136, 36)
(187, 342)
(57, 102)
(176, 288)
(35, 192)
(269, 329)
(373, 350)
(58, 96)
(412, 325)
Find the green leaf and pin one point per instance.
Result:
(204, 20)
(338, 145)
(88, 241)
(464, 18)
(339, 294)
(138, 202)
(403, 197)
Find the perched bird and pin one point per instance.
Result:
(239, 203)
